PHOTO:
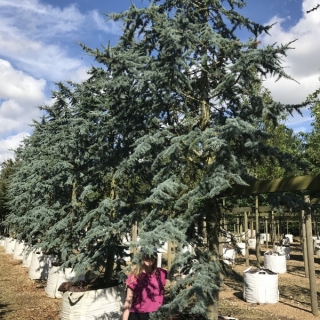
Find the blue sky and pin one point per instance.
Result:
(38, 46)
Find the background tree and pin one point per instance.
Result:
(311, 139)
(7, 169)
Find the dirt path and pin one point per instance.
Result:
(20, 297)
(25, 299)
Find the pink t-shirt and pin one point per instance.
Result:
(148, 290)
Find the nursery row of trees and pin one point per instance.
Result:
(170, 117)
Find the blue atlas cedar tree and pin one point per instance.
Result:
(189, 73)
(62, 191)
(155, 136)
(6, 171)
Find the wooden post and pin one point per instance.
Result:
(251, 228)
(257, 215)
(311, 267)
(134, 231)
(266, 225)
(273, 231)
(258, 253)
(246, 237)
(304, 245)
(225, 227)
(238, 226)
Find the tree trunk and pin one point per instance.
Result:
(108, 271)
(212, 220)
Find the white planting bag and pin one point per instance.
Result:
(18, 250)
(242, 247)
(228, 255)
(283, 250)
(285, 241)
(260, 286)
(290, 236)
(252, 243)
(40, 265)
(316, 242)
(164, 248)
(27, 256)
(10, 245)
(6, 239)
(56, 277)
(93, 304)
(275, 262)
(251, 234)
(265, 236)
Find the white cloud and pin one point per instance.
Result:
(40, 20)
(39, 38)
(20, 96)
(37, 48)
(302, 63)
(9, 144)
(24, 88)
(104, 25)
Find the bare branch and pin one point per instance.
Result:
(313, 9)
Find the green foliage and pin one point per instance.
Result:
(7, 169)
(311, 139)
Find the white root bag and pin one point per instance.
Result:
(316, 242)
(265, 236)
(290, 236)
(317, 250)
(18, 250)
(40, 265)
(56, 277)
(252, 243)
(251, 234)
(93, 304)
(10, 245)
(260, 286)
(284, 250)
(242, 247)
(27, 256)
(6, 239)
(275, 262)
(2, 240)
(228, 255)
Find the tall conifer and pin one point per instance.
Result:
(189, 73)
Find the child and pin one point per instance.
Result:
(145, 288)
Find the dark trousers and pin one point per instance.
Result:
(138, 316)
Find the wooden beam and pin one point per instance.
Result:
(307, 182)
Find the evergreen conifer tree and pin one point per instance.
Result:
(311, 139)
(189, 73)
(7, 169)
